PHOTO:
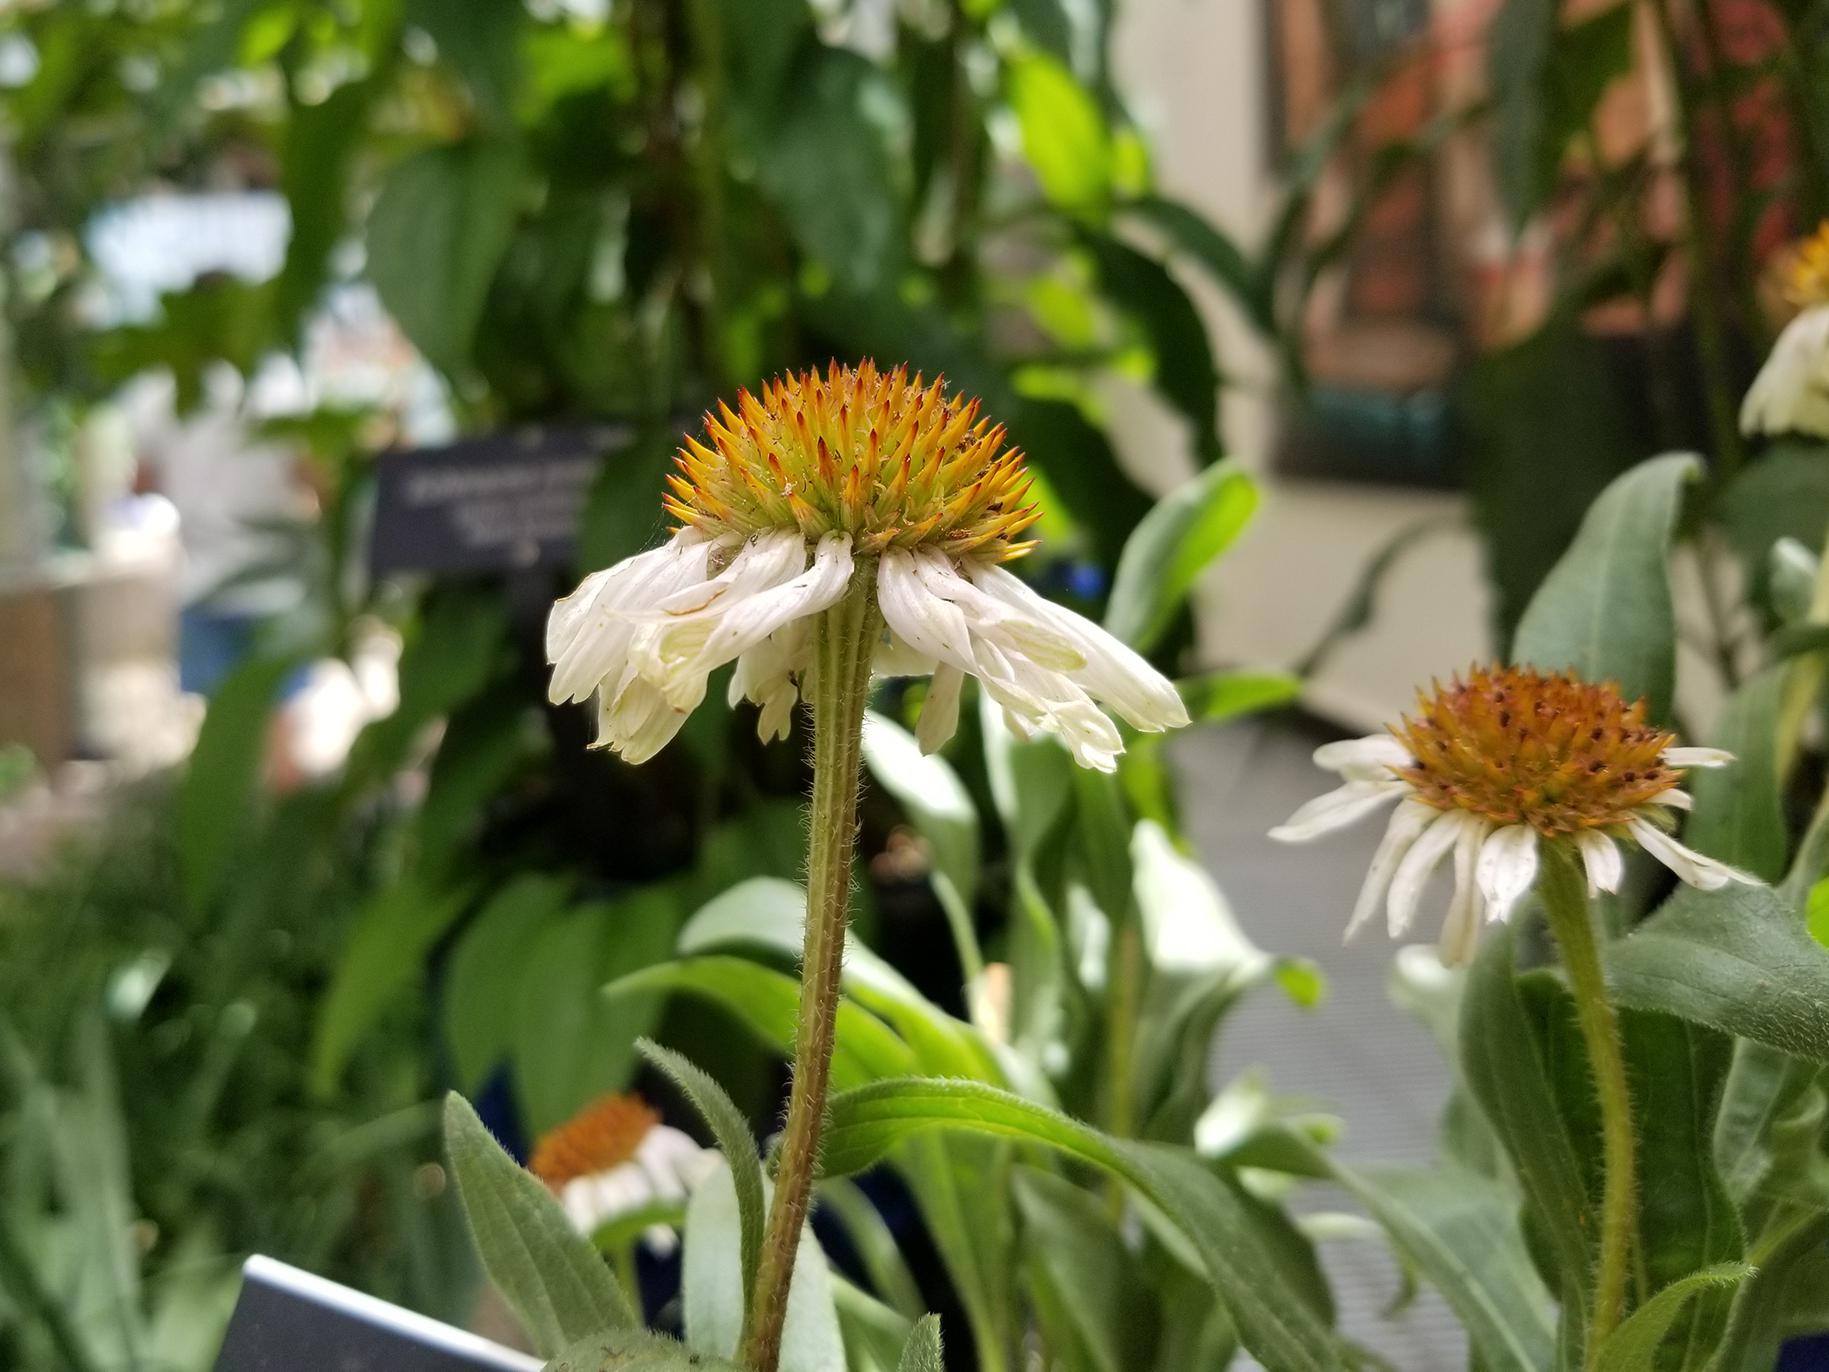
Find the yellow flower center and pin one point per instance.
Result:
(603, 1135)
(889, 460)
(1807, 278)
(1554, 752)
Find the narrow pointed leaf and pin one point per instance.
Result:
(1634, 1345)
(922, 1352)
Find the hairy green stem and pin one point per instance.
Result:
(1564, 892)
(844, 638)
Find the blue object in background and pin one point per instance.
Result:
(212, 644)
(1805, 1355)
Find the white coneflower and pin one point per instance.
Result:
(1791, 392)
(1489, 769)
(809, 483)
(615, 1158)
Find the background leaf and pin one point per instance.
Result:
(922, 1352)
(549, 1274)
(1604, 612)
(1635, 1343)
(1170, 548)
(1739, 811)
(932, 794)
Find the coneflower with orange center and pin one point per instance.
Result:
(1791, 392)
(615, 1158)
(805, 487)
(1489, 768)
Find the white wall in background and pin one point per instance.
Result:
(1195, 72)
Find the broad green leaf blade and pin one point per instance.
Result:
(386, 954)
(1506, 1064)
(922, 1352)
(770, 913)
(1171, 547)
(1687, 1219)
(1460, 1230)
(734, 1140)
(219, 784)
(1063, 133)
(932, 794)
(435, 236)
(550, 1274)
(1092, 1305)
(480, 977)
(1739, 960)
(874, 1334)
(1634, 1345)
(715, 1293)
(1221, 257)
(1190, 1204)
(634, 1350)
(874, 1243)
(1604, 611)
(1763, 1303)
(767, 1002)
(1763, 1085)
(1739, 812)
(958, 1181)
(1220, 696)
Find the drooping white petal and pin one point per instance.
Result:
(1413, 872)
(1338, 808)
(766, 560)
(1675, 797)
(1697, 757)
(940, 711)
(1112, 671)
(1697, 869)
(1791, 392)
(1600, 855)
(1369, 759)
(1409, 819)
(768, 674)
(926, 623)
(893, 657)
(1507, 868)
(589, 633)
(1461, 930)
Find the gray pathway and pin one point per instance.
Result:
(1357, 1053)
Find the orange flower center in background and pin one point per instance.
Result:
(1554, 752)
(889, 460)
(603, 1135)
(1807, 278)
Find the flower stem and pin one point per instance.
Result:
(1564, 895)
(845, 638)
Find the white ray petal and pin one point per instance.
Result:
(1368, 759)
(1461, 930)
(1697, 757)
(925, 622)
(1338, 808)
(1602, 859)
(1675, 798)
(1507, 868)
(1409, 819)
(1413, 872)
(1697, 869)
(940, 711)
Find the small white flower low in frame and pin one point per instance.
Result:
(614, 1159)
(1487, 771)
(810, 484)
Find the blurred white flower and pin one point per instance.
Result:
(817, 483)
(1488, 770)
(1791, 393)
(614, 1159)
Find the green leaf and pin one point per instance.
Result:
(1064, 135)
(394, 934)
(714, 1291)
(634, 1350)
(922, 1352)
(321, 143)
(1189, 1204)
(571, 1043)
(1220, 696)
(484, 745)
(1145, 292)
(549, 1274)
(435, 236)
(933, 796)
(768, 1002)
(480, 41)
(1094, 1309)
(1739, 811)
(481, 978)
(1460, 1231)
(1604, 612)
(1506, 1062)
(1170, 548)
(875, 1245)
(734, 1141)
(1783, 493)
(1763, 1086)
(1634, 1345)
(1738, 960)
(1216, 252)
(220, 784)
